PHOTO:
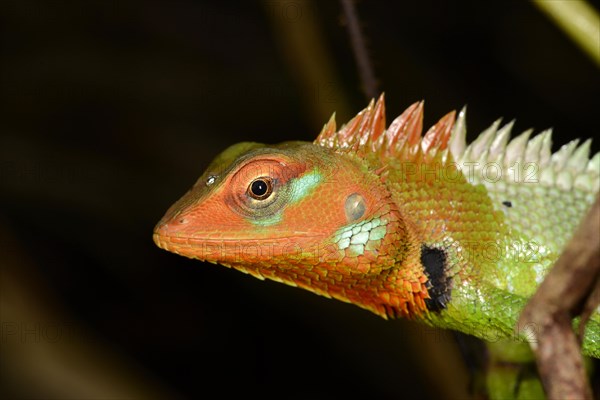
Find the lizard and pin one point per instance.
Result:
(399, 223)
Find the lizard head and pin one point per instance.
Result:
(297, 213)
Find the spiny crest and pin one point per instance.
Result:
(569, 167)
(366, 133)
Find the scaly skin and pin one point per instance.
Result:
(396, 223)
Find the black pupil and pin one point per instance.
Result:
(259, 188)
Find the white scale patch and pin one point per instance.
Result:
(357, 237)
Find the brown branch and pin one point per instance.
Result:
(570, 289)
(359, 47)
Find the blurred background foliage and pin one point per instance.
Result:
(109, 111)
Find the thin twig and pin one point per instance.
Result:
(359, 47)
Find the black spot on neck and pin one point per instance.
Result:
(435, 266)
(507, 203)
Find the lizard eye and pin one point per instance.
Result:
(260, 188)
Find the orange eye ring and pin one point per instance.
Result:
(260, 188)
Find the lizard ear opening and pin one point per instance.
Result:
(354, 207)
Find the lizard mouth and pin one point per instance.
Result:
(218, 247)
(164, 241)
(163, 233)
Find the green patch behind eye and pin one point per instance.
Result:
(303, 186)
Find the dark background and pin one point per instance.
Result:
(110, 110)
